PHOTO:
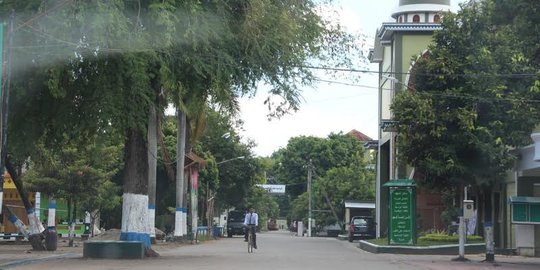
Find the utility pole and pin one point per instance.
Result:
(4, 94)
(152, 170)
(1, 124)
(180, 228)
(310, 165)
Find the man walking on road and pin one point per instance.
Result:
(251, 222)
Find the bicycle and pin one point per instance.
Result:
(250, 238)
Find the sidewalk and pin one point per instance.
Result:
(475, 261)
(19, 253)
(14, 254)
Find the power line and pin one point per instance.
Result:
(39, 15)
(347, 84)
(337, 69)
(441, 94)
(480, 75)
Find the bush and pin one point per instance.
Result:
(436, 237)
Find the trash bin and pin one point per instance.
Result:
(218, 231)
(51, 239)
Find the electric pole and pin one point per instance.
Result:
(310, 165)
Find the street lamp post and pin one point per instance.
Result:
(210, 196)
(309, 197)
(231, 159)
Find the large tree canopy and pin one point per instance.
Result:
(340, 172)
(90, 65)
(473, 98)
(96, 67)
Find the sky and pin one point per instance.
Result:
(326, 107)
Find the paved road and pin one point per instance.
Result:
(281, 250)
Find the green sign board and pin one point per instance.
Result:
(402, 229)
(525, 210)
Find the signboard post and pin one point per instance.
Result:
(402, 216)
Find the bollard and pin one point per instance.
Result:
(490, 245)
(462, 238)
(87, 221)
(51, 236)
(300, 231)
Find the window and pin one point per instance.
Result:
(400, 19)
(437, 19)
(416, 19)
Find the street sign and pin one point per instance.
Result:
(274, 189)
(402, 216)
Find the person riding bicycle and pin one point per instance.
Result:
(251, 222)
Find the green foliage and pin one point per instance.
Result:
(433, 240)
(78, 174)
(264, 203)
(456, 127)
(341, 184)
(95, 67)
(338, 150)
(237, 176)
(340, 165)
(450, 212)
(445, 238)
(299, 209)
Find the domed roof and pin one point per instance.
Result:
(420, 6)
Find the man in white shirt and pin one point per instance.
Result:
(251, 221)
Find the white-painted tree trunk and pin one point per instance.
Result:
(152, 220)
(135, 219)
(51, 217)
(178, 221)
(19, 225)
(33, 219)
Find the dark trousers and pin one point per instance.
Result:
(253, 231)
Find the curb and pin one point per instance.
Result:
(36, 260)
(429, 250)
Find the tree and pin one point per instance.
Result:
(106, 65)
(338, 150)
(340, 173)
(469, 105)
(264, 203)
(236, 177)
(81, 175)
(339, 184)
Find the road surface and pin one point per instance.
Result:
(279, 250)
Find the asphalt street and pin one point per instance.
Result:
(282, 250)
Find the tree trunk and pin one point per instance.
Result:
(180, 228)
(135, 198)
(36, 236)
(16, 221)
(165, 153)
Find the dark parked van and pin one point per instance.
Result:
(361, 227)
(235, 223)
